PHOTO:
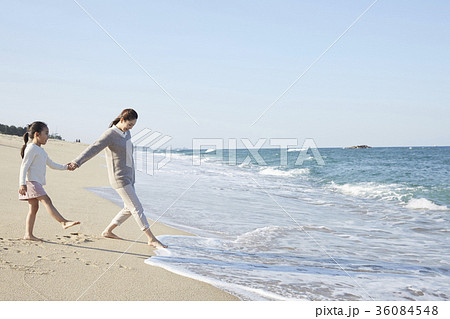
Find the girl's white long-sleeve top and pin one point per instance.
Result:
(34, 164)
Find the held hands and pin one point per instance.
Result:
(72, 166)
(23, 190)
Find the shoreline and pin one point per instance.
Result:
(77, 263)
(241, 292)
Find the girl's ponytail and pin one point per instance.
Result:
(127, 115)
(25, 140)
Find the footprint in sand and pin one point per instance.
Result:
(123, 267)
(77, 238)
(81, 238)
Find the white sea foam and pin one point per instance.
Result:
(262, 236)
(289, 173)
(175, 155)
(386, 192)
(265, 235)
(373, 190)
(423, 203)
(210, 150)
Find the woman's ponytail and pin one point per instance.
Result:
(127, 115)
(116, 120)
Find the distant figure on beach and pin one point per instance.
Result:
(32, 178)
(119, 159)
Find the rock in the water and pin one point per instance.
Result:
(359, 146)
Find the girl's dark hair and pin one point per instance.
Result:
(127, 115)
(35, 127)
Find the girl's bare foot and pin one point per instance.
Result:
(68, 224)
(157, 244)
(31, 237)
(108, 234)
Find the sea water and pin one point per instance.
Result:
(370, 224)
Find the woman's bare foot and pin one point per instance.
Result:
(157, 244)
(31, 237)
(108, 234)
(68, 224)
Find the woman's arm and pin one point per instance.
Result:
(93, 149)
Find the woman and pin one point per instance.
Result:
(119, 160)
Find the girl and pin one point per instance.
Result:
(119, 160)
(32, 178)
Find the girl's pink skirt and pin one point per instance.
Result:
(34, 190)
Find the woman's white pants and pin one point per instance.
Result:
(132, 206)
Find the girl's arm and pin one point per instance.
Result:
(28, 158)
(54, 165)
(93, 149)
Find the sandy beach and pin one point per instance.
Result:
(77, 263)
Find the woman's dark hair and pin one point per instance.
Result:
(35, 127)
(127, 115)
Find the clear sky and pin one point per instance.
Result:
(385, 83)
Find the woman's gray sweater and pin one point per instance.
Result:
(119, 156)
